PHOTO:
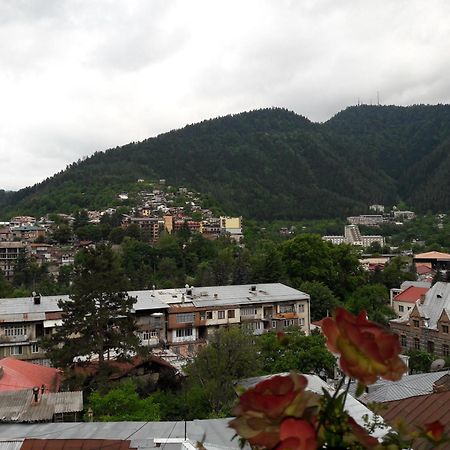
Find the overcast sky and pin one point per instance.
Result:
(81, 76)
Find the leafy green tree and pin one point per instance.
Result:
(396, 272)
(96, 318)
(123, 404)
(419, 361)
(322, 301)
(374, 299)
(307, 354)
(6, 289)
(62, 234)
(229, 356)
(117, 235)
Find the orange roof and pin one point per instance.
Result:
(423, 269)
(18, 375)
(433, 255)
(411, 294)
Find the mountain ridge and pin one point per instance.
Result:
(272, 164)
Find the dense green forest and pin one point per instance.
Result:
(272, 164)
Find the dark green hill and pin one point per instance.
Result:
(272, 164)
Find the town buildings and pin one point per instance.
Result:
(180, 319)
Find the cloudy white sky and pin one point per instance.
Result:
(78, 76)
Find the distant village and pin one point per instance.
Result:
(163, 209)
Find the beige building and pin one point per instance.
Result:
(181, 319)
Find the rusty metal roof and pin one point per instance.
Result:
(420, 410)
(74, 444)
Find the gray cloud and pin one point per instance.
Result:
(79, 76)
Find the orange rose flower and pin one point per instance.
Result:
(262, 408)
(434, 430)
(367, 351)
(297, 434)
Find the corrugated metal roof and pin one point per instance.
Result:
(18, 406)
(408, 386)
(420, 410)
(214, 432)
(11, 445)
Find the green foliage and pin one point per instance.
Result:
(374, 300)
(419, 361)
(322, 301)
(229, 356)
(123, 404)
(96, 318)
(307, 354)
(270, 164)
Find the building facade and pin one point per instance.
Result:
(179, 319)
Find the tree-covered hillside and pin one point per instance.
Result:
(272, 164)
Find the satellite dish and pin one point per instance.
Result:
(437, 364)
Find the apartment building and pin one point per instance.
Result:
(9, 253)
(353, 236)
(181, 319)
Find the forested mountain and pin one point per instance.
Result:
(272, 164)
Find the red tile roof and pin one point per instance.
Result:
(420, 410)
(422, 270)
(411, 294)
(18, 375)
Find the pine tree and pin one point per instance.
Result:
(97, 317)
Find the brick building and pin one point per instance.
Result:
(426, 326)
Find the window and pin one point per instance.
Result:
(301, 321)
(403, 341)
(430, 347)
(288, 323)
(231, 314)
(274, 324)
(183, 332)
(416, 344)
(248, 311)
(35, 348)
(16, 350)
(445, 328)
(14, 330)
(445, 350)
(202, 315)
(286, 308)
(209, 314)
(401, 308)
(301, 308)
(185, 317)
(416, 323)
(221, 314)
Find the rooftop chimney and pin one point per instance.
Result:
(253, 288)
(37, 298)
(35, 394)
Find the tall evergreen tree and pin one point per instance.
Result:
(96, 318)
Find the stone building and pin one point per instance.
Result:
(426, 326)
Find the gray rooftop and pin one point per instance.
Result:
(214, 432)
(408, 386)
(18, 406)
(436, 300)
(19, 309)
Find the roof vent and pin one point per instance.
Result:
(253, 288)
(439, 295)
(215, 295)
(36, 298)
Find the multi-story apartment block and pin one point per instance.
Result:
(369, 220)
(181, 319)
(9, 253)
(427, 325)
(353, 236)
